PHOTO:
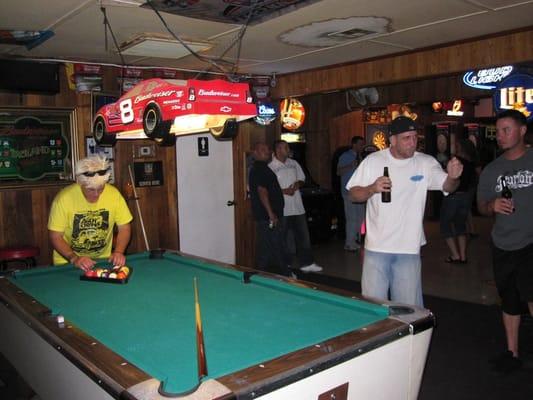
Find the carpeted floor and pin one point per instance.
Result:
(466, 336)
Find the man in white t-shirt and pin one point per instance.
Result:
(291, 178)
(394, 231)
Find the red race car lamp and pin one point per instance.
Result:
(161, 109)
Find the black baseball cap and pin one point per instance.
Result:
(402, 124)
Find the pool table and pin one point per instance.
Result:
(265, 336)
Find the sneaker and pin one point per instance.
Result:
(505, 363)
(311, 268)
(351, 248)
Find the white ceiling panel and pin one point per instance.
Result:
(80, 34)
(460, 29)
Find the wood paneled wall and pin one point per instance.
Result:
(331, 123)
(451, 59)
(24, 210)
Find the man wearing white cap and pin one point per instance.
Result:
(83, 216)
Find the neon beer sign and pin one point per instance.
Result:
(487, 78)
(515, 93)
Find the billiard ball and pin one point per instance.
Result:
(112, 275)
(90, 273)
(121, 275)
(125, 269)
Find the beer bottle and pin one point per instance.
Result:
(385, 196)
(506, 192)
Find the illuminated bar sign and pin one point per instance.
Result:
(515, 92)
(266, 113)
(292, 114)
(456, 109)
(487, 78)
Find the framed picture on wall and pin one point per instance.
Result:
(37, 145)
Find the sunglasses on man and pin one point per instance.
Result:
(100, 172)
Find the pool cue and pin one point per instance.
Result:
(200, 348)
(138, 209)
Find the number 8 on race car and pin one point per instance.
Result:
(126, 111)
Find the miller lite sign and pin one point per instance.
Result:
(515, 93)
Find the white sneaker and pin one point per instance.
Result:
(311, 268)
(351, 248)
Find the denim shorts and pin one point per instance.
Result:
(399, 274)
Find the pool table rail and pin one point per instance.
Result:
(292, 367)
(105, 367)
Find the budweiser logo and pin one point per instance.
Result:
(203, 92)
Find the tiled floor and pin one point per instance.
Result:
(471, 282)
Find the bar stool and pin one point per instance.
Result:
(18, 254)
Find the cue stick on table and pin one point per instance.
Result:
(200, 348)
(138, 209)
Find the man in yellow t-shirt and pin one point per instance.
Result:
(83, 215)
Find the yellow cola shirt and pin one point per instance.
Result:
(87, 227)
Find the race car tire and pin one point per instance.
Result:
(154, 127)
(100, 134)
(226, 132)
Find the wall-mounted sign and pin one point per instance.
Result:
(266, 113)
(451, 108)
(203, 146)
(515, 93)
(148, 173)
(292, 114)
(487, 78)
(456, 109)
(36, 145)
(292, 137)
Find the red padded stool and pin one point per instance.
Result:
(20, 254)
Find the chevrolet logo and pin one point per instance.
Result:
(225, 109)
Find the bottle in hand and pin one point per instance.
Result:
(506, 192)
(385, 196)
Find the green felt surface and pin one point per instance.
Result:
(150, 320)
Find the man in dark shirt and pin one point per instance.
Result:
(512, 233)
(267, 208)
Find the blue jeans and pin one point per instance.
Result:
(354, 214)
(398, 273)
(297, 225)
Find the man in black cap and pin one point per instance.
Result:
(394, 230)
